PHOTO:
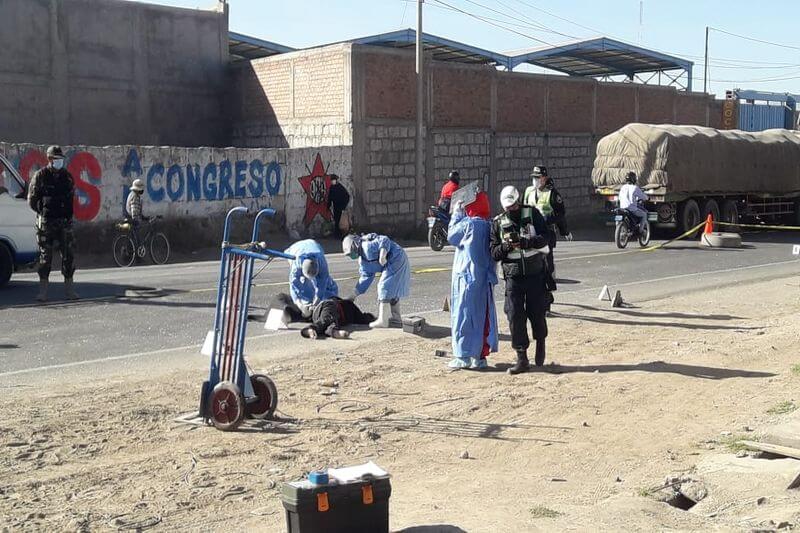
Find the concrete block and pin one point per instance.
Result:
(392, 208)
(381, 132)
(438, 138)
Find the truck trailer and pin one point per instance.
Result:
(690, 172)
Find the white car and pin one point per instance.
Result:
(18, 246)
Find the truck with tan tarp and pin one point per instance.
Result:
(690, 172)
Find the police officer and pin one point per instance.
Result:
(544, 196)
(50, 194)
(519, 242)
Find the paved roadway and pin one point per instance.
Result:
(119, 316)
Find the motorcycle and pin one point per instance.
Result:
(627, 228)
(438, 222)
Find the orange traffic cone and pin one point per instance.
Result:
(709, 225)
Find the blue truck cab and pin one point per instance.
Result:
(18, 246)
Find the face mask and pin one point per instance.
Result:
(58, 164)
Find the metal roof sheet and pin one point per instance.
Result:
(440, 48)
(600, 57)
(241, 47)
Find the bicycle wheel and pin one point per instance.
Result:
(159, 249)
(124, 251)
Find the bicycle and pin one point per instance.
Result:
(130, 244)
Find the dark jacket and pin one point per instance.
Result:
(338, 197)
(335, 313)
(503, 228)
(51, 193)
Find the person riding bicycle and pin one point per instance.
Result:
(133, 207)
(629, 197)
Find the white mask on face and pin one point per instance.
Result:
(58, 164)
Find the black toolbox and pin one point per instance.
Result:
(353, 507)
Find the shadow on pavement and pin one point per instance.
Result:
(438, 528)
(692, 371)
(650, 324)
(643, 314)
(22, 294)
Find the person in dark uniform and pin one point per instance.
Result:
(51, 194)
(329, 316)
(338, 200)
(544, 196)
(519, 242)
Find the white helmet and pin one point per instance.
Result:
(350, 245)
(310, 268)
(137, 185)
(509, 196)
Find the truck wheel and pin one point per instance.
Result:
(689, 217)
(6, 264)
(730, 214)
(710, 207)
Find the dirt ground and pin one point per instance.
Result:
(639, 394)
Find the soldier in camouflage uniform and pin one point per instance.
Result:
(50, 194)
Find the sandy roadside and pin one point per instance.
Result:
(640, 394)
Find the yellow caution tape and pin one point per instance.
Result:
(757, 226)
(679, 237)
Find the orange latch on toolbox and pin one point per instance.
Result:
(366, 494)
(322, 502)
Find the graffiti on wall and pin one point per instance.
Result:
(253, 182)
(316, 186)
(86, 172)
(213, 181)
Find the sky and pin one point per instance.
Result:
(675, 27)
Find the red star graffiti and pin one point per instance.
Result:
(316, 184)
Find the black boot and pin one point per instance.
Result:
(540, 353)
(522, 363)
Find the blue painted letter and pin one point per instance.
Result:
(256, 185)
(273, 179)
(155, 191)
(175, 172)
(241, 175)
(210, 181)
(192, 182)
(225, 173)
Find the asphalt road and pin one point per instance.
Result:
(147, 310)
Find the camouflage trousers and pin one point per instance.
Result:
(49, 234)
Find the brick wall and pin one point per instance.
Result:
(292, 100)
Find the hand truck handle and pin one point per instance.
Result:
(256, 225)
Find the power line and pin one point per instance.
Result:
(483, 19)
(756, 40)
(537, 25)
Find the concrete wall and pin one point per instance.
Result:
(112, 72)
(193, 188)
(294, 100)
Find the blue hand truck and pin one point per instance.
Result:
(231, 393)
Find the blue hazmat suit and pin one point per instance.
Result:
(474, 276)
(395, 280)
(304, 290)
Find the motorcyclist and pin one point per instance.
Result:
(630, 196)
(450, 186)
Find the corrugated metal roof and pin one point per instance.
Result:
(440, 48)
(241, 47)
(601, 57)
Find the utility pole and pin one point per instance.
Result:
(420, 180)
(705, 66)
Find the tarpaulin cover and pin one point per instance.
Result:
(691, 159)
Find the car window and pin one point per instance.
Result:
(9, 179)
